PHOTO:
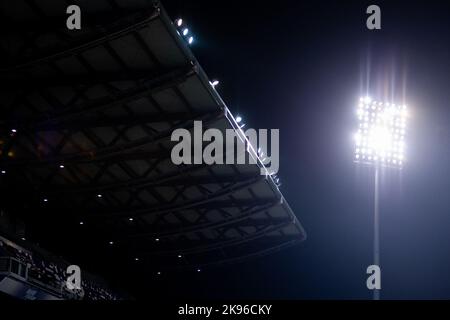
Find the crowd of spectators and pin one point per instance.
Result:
(43, 272)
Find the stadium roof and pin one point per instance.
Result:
(85, 130)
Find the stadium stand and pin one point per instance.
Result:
(33, 270)
(85, 128)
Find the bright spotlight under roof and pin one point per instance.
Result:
(380, 138)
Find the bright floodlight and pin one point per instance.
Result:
(380, 138)
(185, 32)
(214, 83)
(191, 40)
(179, 22)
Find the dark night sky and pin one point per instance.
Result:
(301, 66)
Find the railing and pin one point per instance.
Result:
(12, 266)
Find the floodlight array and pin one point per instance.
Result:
(183, 31)
(380, 138)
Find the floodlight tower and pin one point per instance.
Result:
(380, 142)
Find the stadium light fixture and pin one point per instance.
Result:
(130, 219)
(3, 171)
(45, 200)
(214, 83)
(185, 32)
(81, 223)
(238, 119)
(379, 142)
(111, 242)
(180, 256)
(380, 138)
(99, 195)
(61, 166)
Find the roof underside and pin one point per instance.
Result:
(103, 102)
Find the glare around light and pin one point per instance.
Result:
(238, 119)
(366, 100)
(381, 133)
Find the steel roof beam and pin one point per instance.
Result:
(220, 243)
(185, 205)
(121, 28)
(108, 153)
(175, 180)
(183, 229)
(106, 121)
(154, 83)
